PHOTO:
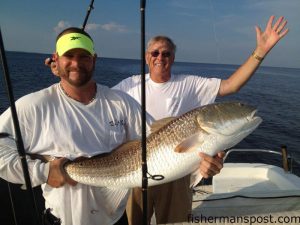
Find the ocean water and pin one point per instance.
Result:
(273, 90)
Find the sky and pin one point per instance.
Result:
(205, 31)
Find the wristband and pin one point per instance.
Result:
(257, 57)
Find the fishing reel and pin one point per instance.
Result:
(6, 135)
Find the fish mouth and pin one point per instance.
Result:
(253, 121)
(252, 115)
(254, 118)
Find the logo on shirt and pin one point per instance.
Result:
(117, 123)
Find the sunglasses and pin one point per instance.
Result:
(163, 54)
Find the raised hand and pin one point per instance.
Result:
(267, 39)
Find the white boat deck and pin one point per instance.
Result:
(248, 194)
(253, 177)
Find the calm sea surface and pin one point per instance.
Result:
(274, 91)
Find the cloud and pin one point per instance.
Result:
(111, 26)
(61, 26)
(92, 26)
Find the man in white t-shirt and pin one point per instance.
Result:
(170, 95)
(74, 118)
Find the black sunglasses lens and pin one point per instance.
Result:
(164, 54)
(155, 53)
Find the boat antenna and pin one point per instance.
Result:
(143, 107)
(88, 14)
(212, 8)
(18, 137)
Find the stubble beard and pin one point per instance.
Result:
(82, 80)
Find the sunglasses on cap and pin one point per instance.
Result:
(156, 53)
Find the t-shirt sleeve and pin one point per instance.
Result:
(10, 162)
(123, 85)
(206, 89)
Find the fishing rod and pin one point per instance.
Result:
(18, 137)
(143, 107)
(88, 14)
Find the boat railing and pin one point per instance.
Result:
(287, 160)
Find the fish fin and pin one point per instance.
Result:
(184, 147)
(128, 145)
(115, 188)
(115, 197)
(190, 144)
(156, 125)
(195, 179)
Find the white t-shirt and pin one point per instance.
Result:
(178, 95)
(51, 123)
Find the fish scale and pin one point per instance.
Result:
(172, 150)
